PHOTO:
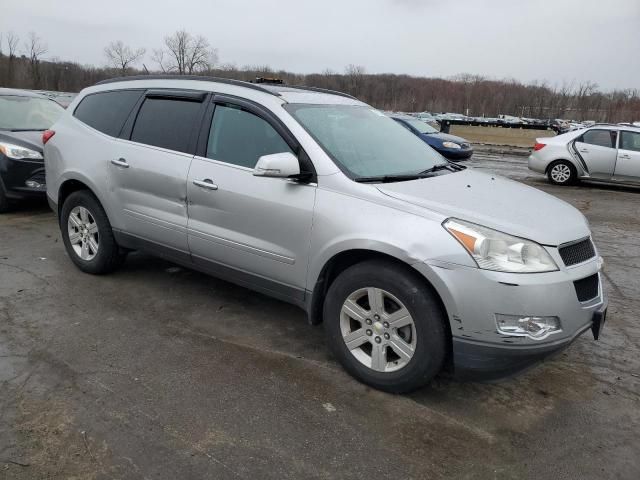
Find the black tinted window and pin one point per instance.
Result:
(107, 111)
(166, 123)
(603, 138)
(630, 141)
(240, 137)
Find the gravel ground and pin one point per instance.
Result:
(159, 372)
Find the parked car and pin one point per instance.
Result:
(23, 118)
(313, 197)
(452, 147)
(602, 152)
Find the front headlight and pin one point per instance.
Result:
(451, 145)
(19, 153)
(493, 250)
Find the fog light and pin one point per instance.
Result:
(527, 326)
(33, 184)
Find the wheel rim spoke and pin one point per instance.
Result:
(378, 358)
(354, 310)
(401, 348)
(376, 301)
(74, 238)
(356, 339)
(84, 251)
(399, 318)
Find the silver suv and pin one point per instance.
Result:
(412, 263)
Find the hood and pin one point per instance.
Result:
(495, 202)
(31, 139)
(445, 137)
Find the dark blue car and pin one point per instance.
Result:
(449, 146)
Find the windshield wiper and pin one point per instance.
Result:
(452, 167)
(390, 178)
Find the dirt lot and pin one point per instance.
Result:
(500, 136)
(160, 372)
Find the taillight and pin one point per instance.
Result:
(539, 146)
(46, 136)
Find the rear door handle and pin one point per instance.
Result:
(625, 156)
(206, 183)
(121, 162)
(584, 150)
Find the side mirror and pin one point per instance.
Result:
(277, 165)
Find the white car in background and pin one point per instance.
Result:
(603, 152)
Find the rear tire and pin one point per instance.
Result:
(87, 235)
(397, 347)
(562, 172)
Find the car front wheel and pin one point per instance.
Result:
(385, 326)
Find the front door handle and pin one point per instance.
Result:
(584, 150)
(625, 156)
(206, 183)
(121, 162)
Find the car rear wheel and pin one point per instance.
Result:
(87, 234)
(385, 326)
(562, 173)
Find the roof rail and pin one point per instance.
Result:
(201, 78)
(322, 90)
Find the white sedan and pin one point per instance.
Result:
(603, 152)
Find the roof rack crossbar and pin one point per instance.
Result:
(228, 81)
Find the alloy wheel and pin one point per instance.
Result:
(378, 329)
(83, 233)
(560, 173)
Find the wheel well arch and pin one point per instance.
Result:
(345, 259)
(67, 188)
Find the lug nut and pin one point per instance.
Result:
(368, 321)
(369, 332)
(386, 324)
(378, 339)
(376, 316)
(386, 336)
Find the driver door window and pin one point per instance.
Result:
(241, 138)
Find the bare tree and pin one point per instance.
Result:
(12, 44)
(122, 56)
(185, 54)
(355, 75)
(35, 48)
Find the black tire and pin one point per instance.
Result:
(108, 256)
(418, 298)
(562, 165)
(4, 202)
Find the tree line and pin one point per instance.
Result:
(22, 65)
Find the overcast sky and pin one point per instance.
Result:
(554, 40)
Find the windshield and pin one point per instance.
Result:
(27, 113)
(364, 141)
(420, 126)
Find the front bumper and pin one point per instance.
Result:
(15, 174)
(473, 297)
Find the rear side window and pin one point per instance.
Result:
(602, 138)
(107, 111)
(630, 141)
(167, 123)
(241, 138)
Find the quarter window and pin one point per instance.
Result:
(630, 141)
(166, 123)
(602, 138)
(241, 138)
(107, 111)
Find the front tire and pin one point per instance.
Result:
(87, 235)
(385, 326)
(4, 202)
(562, 172)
